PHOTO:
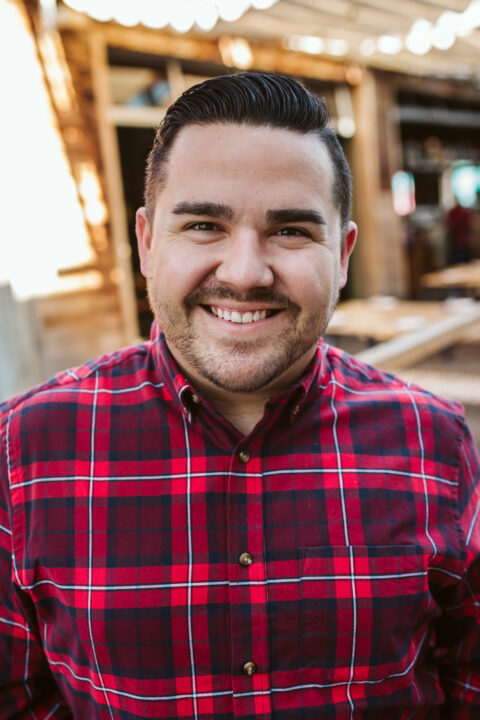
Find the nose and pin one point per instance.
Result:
(244, 263)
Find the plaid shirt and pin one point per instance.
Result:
(155, 563)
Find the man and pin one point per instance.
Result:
(459, 223)
(235, 520)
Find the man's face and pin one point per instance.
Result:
(243, 259)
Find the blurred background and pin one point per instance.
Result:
(85, 82)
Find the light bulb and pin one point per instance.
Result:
(367, 47)
(231, 10)
(153, 14)
(311, 44)
(389, 44)
(181, 16)
(263, 4)
(336, 46)
(442, 38)
(418, 40)
(126, 13)
(206, 16)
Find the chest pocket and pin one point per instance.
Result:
(364, 613)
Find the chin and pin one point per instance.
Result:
(236, 383)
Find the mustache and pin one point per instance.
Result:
(206, 294)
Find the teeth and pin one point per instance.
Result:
(241, 318)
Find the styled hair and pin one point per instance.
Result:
(249, 99)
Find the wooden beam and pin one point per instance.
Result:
(404, 351)
(135, 116)
(113, 177)
(267, 56)
(452, 89)
(378, 262)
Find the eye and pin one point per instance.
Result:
(203, 226)
(293, 232)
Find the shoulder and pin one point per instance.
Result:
(114, 370)
(363, 384)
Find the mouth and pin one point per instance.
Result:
(241, 318)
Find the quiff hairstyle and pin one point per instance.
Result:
(249, 99)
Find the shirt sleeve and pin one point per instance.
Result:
(458, 628)
(27, 687)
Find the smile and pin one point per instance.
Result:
(244, 318)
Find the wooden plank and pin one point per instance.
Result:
(384, 318)
(408, 349)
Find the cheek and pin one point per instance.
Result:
(311, 282)
(178, 270)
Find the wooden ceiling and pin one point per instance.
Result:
(357, 20)
(352, 21)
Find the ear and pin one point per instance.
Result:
(347, 248)
(144, 240)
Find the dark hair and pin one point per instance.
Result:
(252, 99)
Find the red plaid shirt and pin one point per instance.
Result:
(155, 563)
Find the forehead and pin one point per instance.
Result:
(239, 155)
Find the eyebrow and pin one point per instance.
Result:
(287, 215)
(210, 209)
(225, 212)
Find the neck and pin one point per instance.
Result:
(244, 410)
(243, 414)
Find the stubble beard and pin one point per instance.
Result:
(238, 366)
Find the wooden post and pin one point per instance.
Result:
(114, 186)
(379, 265)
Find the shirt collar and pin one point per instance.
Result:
(187, 397)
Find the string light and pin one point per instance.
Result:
(181, 15)
(422, 37)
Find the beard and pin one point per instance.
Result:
(238, 366)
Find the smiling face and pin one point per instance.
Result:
(244, 257)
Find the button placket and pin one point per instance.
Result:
(248, 598)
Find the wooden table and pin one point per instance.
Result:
(465, 277)
(379, 319)
(404, 332)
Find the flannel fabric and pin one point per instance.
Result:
(155, 563)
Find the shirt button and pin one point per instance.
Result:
(250, 668)
(244, 456)
(296, 410)
(196, 399)
(245, 559)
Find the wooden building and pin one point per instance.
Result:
(109, 85)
